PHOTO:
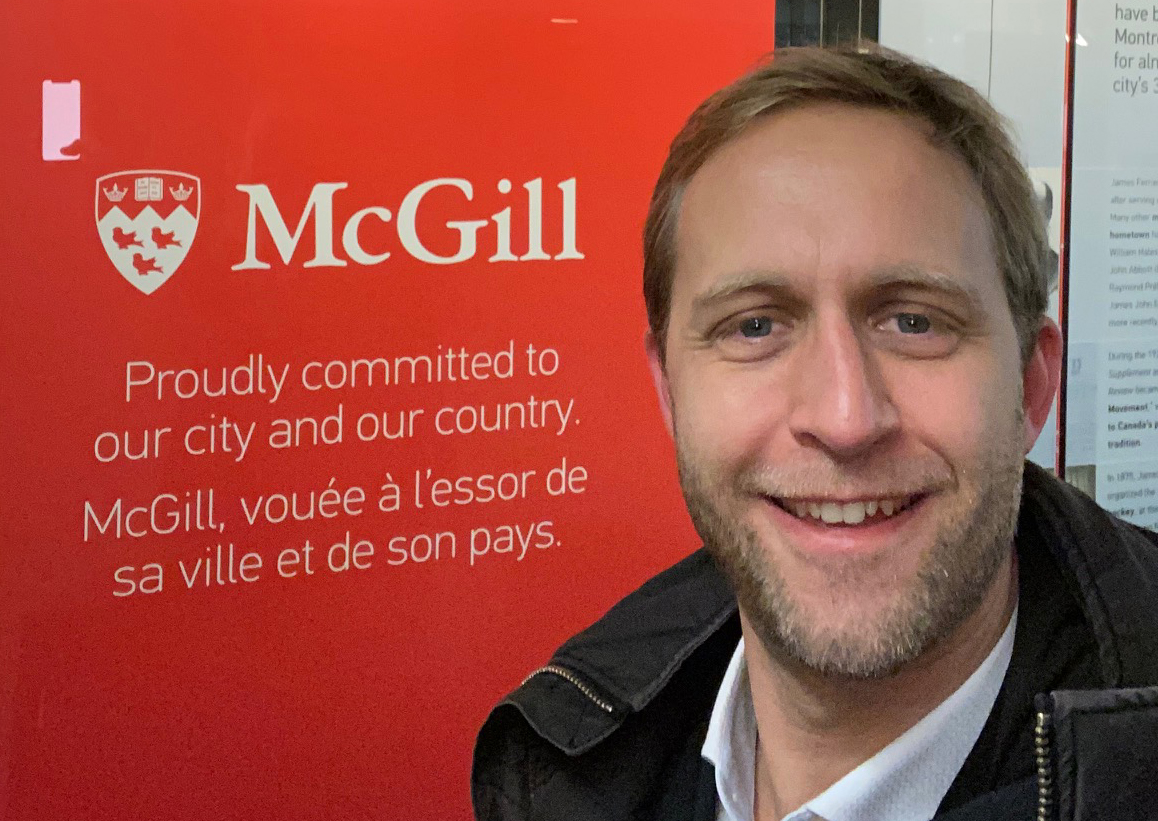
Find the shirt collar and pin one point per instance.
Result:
(905, 781)
(730, 744)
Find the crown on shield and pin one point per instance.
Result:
(115, 194)
(181, 193)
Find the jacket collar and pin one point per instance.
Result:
(629, 655)
(1111, 567)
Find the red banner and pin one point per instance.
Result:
(333, 419)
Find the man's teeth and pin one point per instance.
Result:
(850, 513)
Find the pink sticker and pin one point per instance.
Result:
(60, 126)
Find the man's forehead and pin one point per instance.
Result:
(832, 132)
(845, 184)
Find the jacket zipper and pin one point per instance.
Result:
(567, 675)
(1042, 744)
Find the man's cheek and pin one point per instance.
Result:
(958, 415)
(732, 427)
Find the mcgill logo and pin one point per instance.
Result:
(319, 208)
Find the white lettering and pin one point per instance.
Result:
(407, 217)
(319, 207)
(320, 204)
(350, 242)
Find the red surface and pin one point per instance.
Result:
(336, 695)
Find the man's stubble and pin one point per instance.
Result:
(955, 573)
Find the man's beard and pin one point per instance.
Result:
(955, 573)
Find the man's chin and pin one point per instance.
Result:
(863, 643)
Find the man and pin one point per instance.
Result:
(895, 617)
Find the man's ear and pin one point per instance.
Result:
(659, 378)
(1040, 378)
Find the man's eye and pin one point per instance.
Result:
(755, 327)
(751, 337)
(913, 323)
(919, 334)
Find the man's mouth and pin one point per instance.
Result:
(848, 513)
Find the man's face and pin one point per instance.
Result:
(843, 381)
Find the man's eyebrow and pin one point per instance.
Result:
(742, 282)
(890, 277)
(914, 276)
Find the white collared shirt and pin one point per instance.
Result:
(905, 781)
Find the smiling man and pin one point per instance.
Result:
(894, 616)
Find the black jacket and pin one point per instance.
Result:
(612, 728)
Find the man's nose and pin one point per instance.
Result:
(842, 403)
